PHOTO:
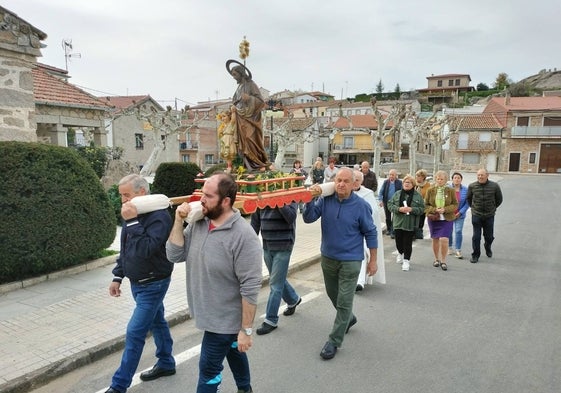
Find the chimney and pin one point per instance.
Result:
(507, 98)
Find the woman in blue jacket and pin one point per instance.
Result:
(455, 241)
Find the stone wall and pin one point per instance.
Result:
(19, 47)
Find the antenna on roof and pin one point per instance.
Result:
(67, 47)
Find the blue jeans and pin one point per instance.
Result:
(486, 224)
(455, 241)
(277, 264)
(340, 284)
(214, 349)
(148, 315)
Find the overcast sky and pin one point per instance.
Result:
(178, 48)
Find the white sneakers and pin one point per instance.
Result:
(450, 251)
(405, 266)
(459, 254)
(399, 258)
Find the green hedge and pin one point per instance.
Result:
(175, 179)
(54, 211)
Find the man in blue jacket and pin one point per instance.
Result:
(346, 221)
(389, 187)
(143, 261)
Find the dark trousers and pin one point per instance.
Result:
(485, 224)
(389, 225)
(404, 242)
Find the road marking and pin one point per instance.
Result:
(196, 350)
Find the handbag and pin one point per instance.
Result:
(433, 216)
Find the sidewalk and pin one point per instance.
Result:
(55, 326)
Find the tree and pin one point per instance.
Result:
(287, 134)
(502, 81)
(378, 134)
(379, 87)
(482, 87)
(397, 90)
(164, 125)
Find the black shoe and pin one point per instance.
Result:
(351, 324)
(359, 287)
(328, 351)
(291, 309)
(392, 235)
(155, 373)
(489, 253)
(111, 390)
(265, 329)
(245, 391)
(474, 259)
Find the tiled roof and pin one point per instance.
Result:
(297, 124)
(475, 122)
(50, 90)
(124, 102)
(359, 121)
(524, 104)
(447, 76)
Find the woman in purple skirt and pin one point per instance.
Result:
(440, 206)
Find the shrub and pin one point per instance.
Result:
(96, 156)
(55, 214)
(216, 168)
(115, 201)
(175, 179)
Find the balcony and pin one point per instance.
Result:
(188, 146)
(355, 148)
(534, 132)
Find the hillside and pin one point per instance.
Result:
(544, 80)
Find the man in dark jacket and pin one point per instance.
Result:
(278, 231)
(143, 261)
(369, 178)
(389, 187)
(483, 196)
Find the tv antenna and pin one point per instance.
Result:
(67, 47)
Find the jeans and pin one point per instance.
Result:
(486, 224)
(455, 240)
(214, 349)
(277, 264)
(148, 315)
(340, 283)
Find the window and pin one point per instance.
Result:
(209, 158)
(484, 137)
(471, 158)
(457, 82)
(348, 142)
(532, 158)
(522, 121)
(450, 82)
(139, 141)
(185, 158)
(439, 84)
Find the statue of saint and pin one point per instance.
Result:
(245, 112)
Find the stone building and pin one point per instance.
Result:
(20, 45)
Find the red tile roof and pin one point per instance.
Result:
(499, 107)
(448, 76)
(50, 90)
(478, 121)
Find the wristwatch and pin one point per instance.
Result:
(248, 331)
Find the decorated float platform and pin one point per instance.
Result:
(257, 191)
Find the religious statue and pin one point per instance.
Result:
(243, 124)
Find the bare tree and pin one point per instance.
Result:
(394, 116)
(291, 132)
(163, 125)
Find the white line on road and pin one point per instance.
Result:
(196, 350)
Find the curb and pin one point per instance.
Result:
(91, 265)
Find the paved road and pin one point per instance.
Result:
(487, 327)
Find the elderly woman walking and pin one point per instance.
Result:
(440, 208)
